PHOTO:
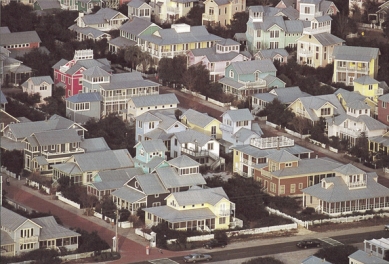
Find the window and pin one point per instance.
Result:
(151, 125)
(81, 106)
(231, 74)
(342, 64)
(211, 11)
(258, 45)
(89, 177)
(383, 104)
(210, 146)
(274, 34)
(273, 45)
(222, 220)
(27, 232)
(292, 188)
(288, 164)
(272, 187)
(140, 124)
(325, 111)
(300, 186)
(175, 142)
(282, 189)
(370, 87)
(307, 10)
(258, 33)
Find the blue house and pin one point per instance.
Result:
(245, 78)
(84, 106)
(150, 154)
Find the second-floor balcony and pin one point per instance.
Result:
(172, 10)
(224, 213)
(255, 84)
(350, 132)
(52, 154)
(195, 153)
(31, 239)
(357, 184)
(126, 97)
(208, 17)
(171, 54)
(351, 68)
(305, 53)
(379, 91)
(317, 30)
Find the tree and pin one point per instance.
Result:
(277, 113)
(12, 160)
(300, 123)
(263, 260)
(238, 23)
(146, 61)
(195, 15)
(361, 148)
(40, 69)
(132, 55)
(336, 254)
(342, 25)
(28, 99)
(90, 241)
(318, 131)
(196, 78)
(55, 104)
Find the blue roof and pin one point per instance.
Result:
(85, 97)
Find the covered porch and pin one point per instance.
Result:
(126, 198)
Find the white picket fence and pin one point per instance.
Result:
(295, 220)
(315, 142)
(8, 173)
(67, 201)
(218, 103)
(139, 232)
(295, 134)
(37, 185)
(194, 94)
(82, 255)
(262, 230)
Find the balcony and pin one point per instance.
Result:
(358, 184)
(224, 213)
(259, 83)
(379, 91)
(226, 128)
(193, 153)
(350, 132)
(32, 239)
(305, 53)
(266, 173)
(272, 142)
(126, 97)
(317, 30)
(173, 10)
(171, 54)
(208, 17)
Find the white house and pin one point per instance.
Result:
(141, 104)
(40, 84)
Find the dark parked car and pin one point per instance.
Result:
(214, 243)
(308, 243)
(386, 228)
(195, 257)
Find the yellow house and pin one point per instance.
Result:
(221, 12)
(351, 63)
(195, 209)
(202, 122)
(176, 40)
(367, 86)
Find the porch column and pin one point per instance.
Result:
(304, 205)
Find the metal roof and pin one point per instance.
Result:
(248, 67)
(12, 220)
(231, 82)
(366, 79)
(384, 98)
(155, 99)
(192, 136)
(339, 191)
(271, 53)
(183, 161)
(39, 80)
(172, 215)
(53, 137)
(327, 39)
(244, 133)
(364, 257)
(85, 97)
(148, 117)
(19, 38)
(96, 71)
(153, 145)
(170, 178)
(94, 144)
(6, 238)
(197, 118)
(294, 26)
(136, 26)
(314, 260)
(286, 95)
(213, 56)
(121, 42)
(114, 179)
(150, 184)
(89, 31)
(349, 169)
(239, 115)
(200, 196)
(282, 156)
(129, 194)
(136, 3)
(351, 53)
(51, 229)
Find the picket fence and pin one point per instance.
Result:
(218, 103)
(82, 255)
(67, 201)
(37, 185)
(8, 173)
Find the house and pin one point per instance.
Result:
(374, 252)
(183, 173)
(195, 209)
(347, 98)
(249, 157)
(139, 8)
(245, 78)
(19, 43)
(20, 235)
(5, 118)
(81, 168)
(12, 71)
(382, 13)
(144, 190)
(286, 95)
(168, 11)
(106, 182)
(15, 133)
(216, 58)
(351, 190)
(351, 63)
(95, 26)
(84, 6)
(129, 33)
(369, 87)
(221, 12)
(69, 74)
(315, 107)
(280, 55)
(198, 146)
(150, 154)
(379, 144)
(383, 109)
(160, 124)
(141, 104)
(176, 40)
(40, 84)
(83, 106)
(46, 148)
(267, 30)
(354, 122)
(322, 7)
(202, 122)
(316, 50)
(46, 6)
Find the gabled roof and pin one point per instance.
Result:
(370, 123)
(214, 56)
(197, 118)
(247, 67)
(349, 169)
(137, 25)
(104, 160)
(192, 136)
(351, 53)
(327, 39)
(239, 115)
(39, 80)
(183, 161)
(314, 260)
(48, 4)
(170, 178)
(339, 191)
(136, 3)
(172, 215)
(366, 79)
(154, 100)
(51, 229)
(12, 220)
(285, 95)
(53, 137)
(101, 17)
(150, 184)
(94, 144)
(384, 98)
(364, 257)
(114, 179)
(19, 38)
(96, 71)
(128, 194)
(244, 134)
(199, 196)
(271, 53)
(349, 96)
(153, 145)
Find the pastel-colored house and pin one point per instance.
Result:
(40, 84)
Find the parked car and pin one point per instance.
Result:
(195, 257)
(214, 243)
(308, 243)
(386, 228)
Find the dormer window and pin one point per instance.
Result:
(231, 74)
(370, 87)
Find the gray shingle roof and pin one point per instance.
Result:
(101, 17)
(183, 161)
(339, 191)
(271, 53)
(282, 156)
(6, 238)
(85, 97)
(19, 38)
(191, 136)
(199, 196)
(89, 31)
(154, 145)
(384, 98)
(294, 26)
(114, 179)
(96, 71)
(352, 53)
(53, 137)
(327, 39)
(48, 4)
(286, 95)
(136, 26)
(150, 184)
(244, 134)
(315, 102)
(11, 220)
(38, 80)
(213, 56)
(155, 99)
(239, 115)
(94, 144)
(349, 169)
(121, 42)
(247, 67)
(170, 178)
(51, 229)
(197, 118)
(129, 195)
(136, 3)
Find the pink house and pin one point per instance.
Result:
(68, 74)
(383, 109)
